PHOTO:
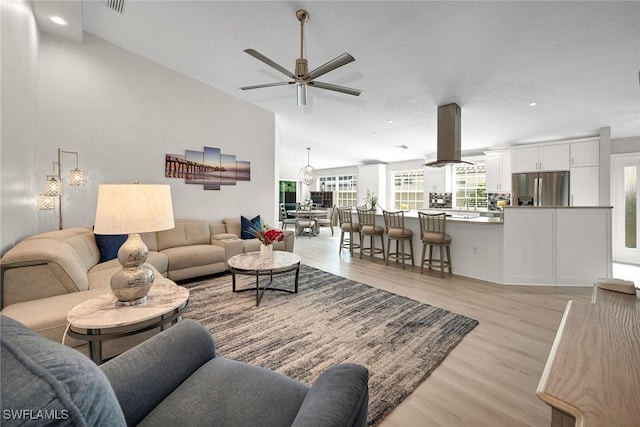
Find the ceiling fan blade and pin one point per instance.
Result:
(336, 88)
(270, 63)
(266, 85)
(341, 60)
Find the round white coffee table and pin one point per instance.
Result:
(100, 318)
(252, 264)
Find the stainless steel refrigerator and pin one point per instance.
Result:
(540, 189)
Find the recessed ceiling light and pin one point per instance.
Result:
(57, 20)
(404, 147)
(374, 134)
(389, 121)
(533, 103)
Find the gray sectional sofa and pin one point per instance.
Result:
(174, 378)
(46, 275)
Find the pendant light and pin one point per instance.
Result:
(307, 173)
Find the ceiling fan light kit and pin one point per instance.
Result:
(302, 76)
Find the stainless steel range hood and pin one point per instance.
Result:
(449, 137)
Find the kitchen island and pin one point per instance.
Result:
(525, 246)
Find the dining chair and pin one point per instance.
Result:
(394, 225)
(284, 219)
(328, 220)
(305, 223)
(433, 233)
(347, 226)
(368, 228)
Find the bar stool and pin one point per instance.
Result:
(368, 227)
(345, 218)
(432, 233)
(394, 224)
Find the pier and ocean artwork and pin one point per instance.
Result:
(210, 168)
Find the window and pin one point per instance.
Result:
(470, 186)
(408, 189)
(344, 187)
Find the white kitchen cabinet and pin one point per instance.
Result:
(585, 186)
(555, 157)
(561, 246)
(585, 153)
(435, 179)
(498, 174)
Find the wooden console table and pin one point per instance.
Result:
(592, 375)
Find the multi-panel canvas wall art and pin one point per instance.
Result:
(209, 168)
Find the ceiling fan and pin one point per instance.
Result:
(302, 76)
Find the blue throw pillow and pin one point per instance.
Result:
(249, 227)
(108, 245)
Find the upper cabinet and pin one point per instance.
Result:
(541, 158)
(585, 173)
(498, 164)
(585, 153)
(435, 179)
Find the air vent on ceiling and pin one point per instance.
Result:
(117, 5)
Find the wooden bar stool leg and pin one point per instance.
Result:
(441, 261)
(422, 260)
(449, 258)
(411, 251)
(430, 256)
(388, 250)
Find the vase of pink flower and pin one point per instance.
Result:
(268, 236)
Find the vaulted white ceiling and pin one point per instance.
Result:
(579, 60)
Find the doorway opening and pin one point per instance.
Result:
(288, 192)
(625, 186)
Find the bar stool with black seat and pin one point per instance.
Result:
(368, 228)
(345, 219)
(394, 225)
(433, 233)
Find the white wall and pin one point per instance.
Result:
(19, 131)
(123, 113)
(625, 145)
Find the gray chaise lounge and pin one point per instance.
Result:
(174, 378)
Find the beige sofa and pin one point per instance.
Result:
(227, 235)
(46, 275)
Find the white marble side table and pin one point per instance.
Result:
(100, 318)
(252, 264)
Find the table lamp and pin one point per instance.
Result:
(132, 209)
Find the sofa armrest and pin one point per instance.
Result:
(289, 240)
(40, 268)
(232, 245)
(146, 374)
(339, 397)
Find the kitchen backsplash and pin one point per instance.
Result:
(494, 198)
(440, 200)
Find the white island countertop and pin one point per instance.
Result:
(461, 215)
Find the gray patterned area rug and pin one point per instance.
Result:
(330, 320)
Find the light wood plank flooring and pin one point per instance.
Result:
(491, 377)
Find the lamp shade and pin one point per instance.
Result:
(133, 208)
